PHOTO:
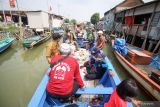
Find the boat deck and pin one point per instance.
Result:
(146, 69)
(88, 83)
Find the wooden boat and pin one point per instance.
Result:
(109, 84)
(4, 44)
(35, 40)
(136, 62)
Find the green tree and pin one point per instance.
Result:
(66, 20)
(73, 21)
(95, 18)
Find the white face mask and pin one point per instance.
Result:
(97, 59)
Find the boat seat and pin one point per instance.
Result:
(105, 90)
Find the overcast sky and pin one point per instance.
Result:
(78, 9)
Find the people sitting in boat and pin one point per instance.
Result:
(65, 77)
(52, 49)
(125, 92)
(96, 66)
(69, 39)
(78, 28)
(91, 39)
(101, 40)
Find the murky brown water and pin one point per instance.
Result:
(22, 70)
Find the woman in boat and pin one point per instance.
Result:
(96, 66)
(125, 92)
(101, 40)
(69, 39)
(78, 29)
(91, 39)
(65, 77)
(52, 49)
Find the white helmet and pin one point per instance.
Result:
(65, 48)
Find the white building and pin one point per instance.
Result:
(43, 20)
(38, 19)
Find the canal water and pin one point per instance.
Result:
(21, 71)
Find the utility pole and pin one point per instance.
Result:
(50, 14)
(4, 16)
(20, 22)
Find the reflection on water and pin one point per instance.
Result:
(31, 54)
(20, 73)
(22, 70)
(7, 54)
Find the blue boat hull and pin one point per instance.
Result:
(8, 43)
(110, 83)
(5, 47)
(28, 44)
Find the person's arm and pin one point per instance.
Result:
(72, 38)
(77, 76)
(48, 59)
(48, 53)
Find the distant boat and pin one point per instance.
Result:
(4, 44)
(39, 99)
(136, 62)
(35, 40)
(58, 30)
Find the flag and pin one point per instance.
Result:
(12, 3)
(50, 8)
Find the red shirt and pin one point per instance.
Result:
(62, 76)
(115, 101)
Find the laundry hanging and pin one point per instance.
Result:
(129, 20)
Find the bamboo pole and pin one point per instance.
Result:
(20, 22)
(149, 26)
(134, 36)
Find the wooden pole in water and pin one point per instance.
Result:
(11, 15)
(149, 26)
(20, 22)
(156, 46)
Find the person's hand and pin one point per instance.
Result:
(136, 102)
(83, 88)
(94, 70)
(72, 43)
(81, 66)
(49, 60)
(111, 74)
